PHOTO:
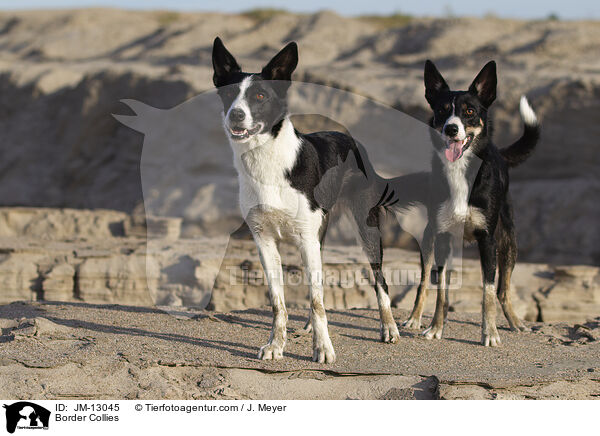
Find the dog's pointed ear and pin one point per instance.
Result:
(484, 85)
(283, 64)
(434, 82)
(223, 62)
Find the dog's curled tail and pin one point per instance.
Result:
(518, 152)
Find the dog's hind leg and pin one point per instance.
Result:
(388, 329)
(442, 255)
(271, 263)
(414, 321)
(370, 235)
(507, 256)
(311, 256)
(307, 326)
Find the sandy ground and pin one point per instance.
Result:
(78, 350)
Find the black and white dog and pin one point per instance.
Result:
(470, 192)
(288, 184)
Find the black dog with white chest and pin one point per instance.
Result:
(290, 181)
(469, 188)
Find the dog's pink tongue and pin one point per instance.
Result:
(453, 151)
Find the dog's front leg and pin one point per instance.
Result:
(487, 251)
(271, 263)
(443, 249)
(311, 256)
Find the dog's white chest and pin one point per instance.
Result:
(455, 212)
(262, 177)
(273, 198)
(268, 202)
(277, 210)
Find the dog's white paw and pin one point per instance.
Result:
(323, 352)
(433, 332)
(412, 323)
(491, 339)
(270, 352)
(389, 333)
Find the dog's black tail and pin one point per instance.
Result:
(518, 152)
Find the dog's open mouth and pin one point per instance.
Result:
(239, 133)
(455, 148)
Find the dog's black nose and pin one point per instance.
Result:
(451, 130)
(237, 115)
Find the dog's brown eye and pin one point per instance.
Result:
(470, 112)
(260, 96)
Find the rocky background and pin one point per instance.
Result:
(98, 257)
(63, 73)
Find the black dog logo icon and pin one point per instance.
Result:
(26, 415)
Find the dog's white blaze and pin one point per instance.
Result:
(527, 113)
(455, 119)
(241, 103)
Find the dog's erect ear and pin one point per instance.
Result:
(434, 82)
(283, 64)
(223, 62)
(484, 85)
